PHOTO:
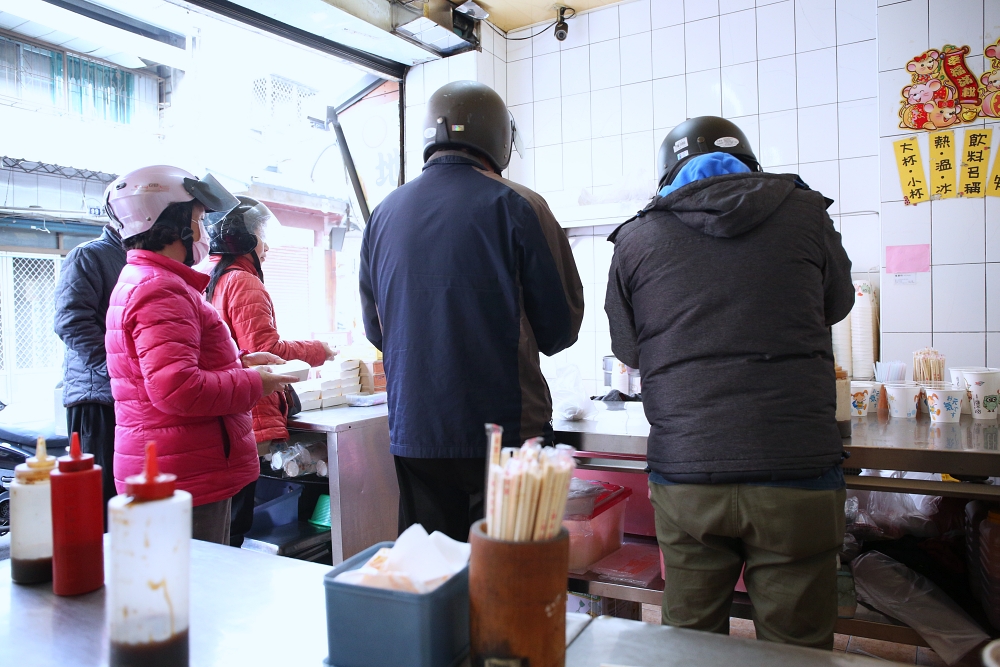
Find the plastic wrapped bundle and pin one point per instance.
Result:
(842, 355)
(899, 592)
(864, 331)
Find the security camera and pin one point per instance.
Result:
(561, 29)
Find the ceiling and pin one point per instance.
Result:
(513, 14)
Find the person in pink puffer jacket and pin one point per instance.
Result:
(176, 375)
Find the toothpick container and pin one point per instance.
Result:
(517, 600)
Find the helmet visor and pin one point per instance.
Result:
(518, 144)
(211, 194)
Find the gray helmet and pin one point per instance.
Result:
(695, 136)
(235, 233)
(470, 115)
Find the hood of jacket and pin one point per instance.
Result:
(730, 205)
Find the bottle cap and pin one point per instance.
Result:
(36, 468)
(76, 461)
(151, 484)
(993, 516)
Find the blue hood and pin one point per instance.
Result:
(704, 166)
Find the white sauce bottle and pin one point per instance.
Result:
(149, 576)
(31, 519)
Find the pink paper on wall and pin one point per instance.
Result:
(908, 258)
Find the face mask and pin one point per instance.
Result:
(199, 248)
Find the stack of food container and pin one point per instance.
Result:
(372, 376)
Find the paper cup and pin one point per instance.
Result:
(958, 378)
(985, 389)
(903, 400)
(945, 404)
(927, 387)
(619, 377)
(861, 394)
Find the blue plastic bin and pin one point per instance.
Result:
(277, 512)
(375, 627)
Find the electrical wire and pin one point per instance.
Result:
(543, 30)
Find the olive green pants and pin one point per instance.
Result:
(787, 538)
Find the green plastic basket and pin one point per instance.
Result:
(321, 515)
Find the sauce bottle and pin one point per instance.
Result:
(150, 561)
(31, 519)
(77, 523)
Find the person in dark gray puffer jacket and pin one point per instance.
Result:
(722, 292)
(87, 277)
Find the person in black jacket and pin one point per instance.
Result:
(722, 291)
(88, 274)
(465, 277)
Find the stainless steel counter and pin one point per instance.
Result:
(246, 609)
(614, 641)
(364, 496)
(334, 420)
(253, 609)
(971, 448)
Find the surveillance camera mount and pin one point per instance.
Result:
(561, 30)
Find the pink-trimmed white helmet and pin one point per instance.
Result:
(135, 201)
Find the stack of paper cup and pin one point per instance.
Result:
(985, 388)
(842, 355)
(958, 378)
(864, 325)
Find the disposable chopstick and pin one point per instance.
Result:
(526, 488)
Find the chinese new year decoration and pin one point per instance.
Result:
(944, 92)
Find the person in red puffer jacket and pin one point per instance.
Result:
(176, 376)
(237, 291)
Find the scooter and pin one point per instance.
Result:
(11, 455)
(4, 505)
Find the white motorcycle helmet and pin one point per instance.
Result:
(135, 201)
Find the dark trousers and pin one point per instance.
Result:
(441, 494)
(241, 514)
(95, 422)
(787, 538)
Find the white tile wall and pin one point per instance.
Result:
(962, 349)
(776, 30)
(800, 78)
(951, 303)
(815, 24)
(992, 230)
(738, 37)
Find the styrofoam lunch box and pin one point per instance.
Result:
(377, 627)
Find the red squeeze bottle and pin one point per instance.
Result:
(77, 523)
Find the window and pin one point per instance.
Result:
(279, 102)
(76, 84)
(31, 73)
(30, 352)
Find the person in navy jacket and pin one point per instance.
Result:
(465, 278)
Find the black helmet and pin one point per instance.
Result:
(236, 232)
(695, 136)
(470, 115)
